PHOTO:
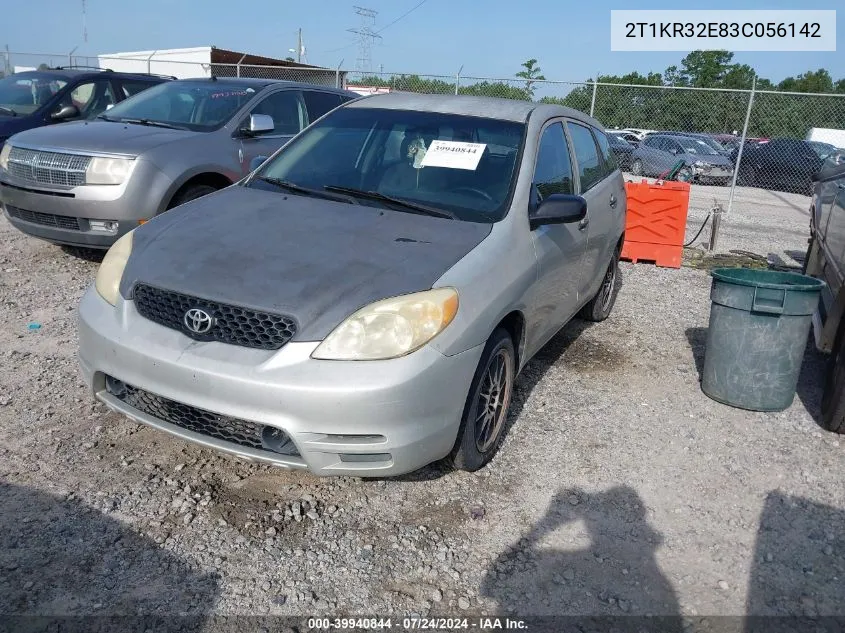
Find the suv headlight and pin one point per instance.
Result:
(107, 171)
(111, 270)
(392, 327)
(5, 150)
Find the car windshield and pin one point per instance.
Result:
(201, 106)
(462, 165)
(24, 93)
(694, 146)
(713, 143)
(615, 139)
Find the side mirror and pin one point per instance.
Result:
(558, 208)
(256, 162)
(258, 124)
(65, 112)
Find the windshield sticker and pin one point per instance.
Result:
(453, 154)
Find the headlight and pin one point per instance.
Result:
(111, 270)
(392, 327)
(698, 163)
(107, 171)
(4, 155)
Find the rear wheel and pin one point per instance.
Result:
(600, 306)
(637, 167)
(486, 409)
(833, 399)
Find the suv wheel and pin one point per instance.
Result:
(191, 193)
(486, 409)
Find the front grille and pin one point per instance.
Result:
(230, 324)
(221, 427)
(48, 168)
(47, 219)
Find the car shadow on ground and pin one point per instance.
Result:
(60, 557)
(528, 378)
(607, 575)
(810, 380)
(88, 254)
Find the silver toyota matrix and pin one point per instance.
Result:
(362, 303)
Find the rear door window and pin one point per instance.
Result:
(318, 103)
(607, 157)
(90, 98)
(590, 168)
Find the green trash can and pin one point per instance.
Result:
(759, 321)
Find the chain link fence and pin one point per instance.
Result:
(745, 151)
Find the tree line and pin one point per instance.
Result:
(671, 108)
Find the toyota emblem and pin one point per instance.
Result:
(198, 321)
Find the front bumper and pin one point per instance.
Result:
(367, 418)
(64, 215)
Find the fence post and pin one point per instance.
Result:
(149, 62)
(238, 68)
(742, 143)
(337, 75)
(593, 102)
(458, 79)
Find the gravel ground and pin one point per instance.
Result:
(620, 487)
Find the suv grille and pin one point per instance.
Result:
(48, 168)
(230, 324)
(221, 427)
(47, 219)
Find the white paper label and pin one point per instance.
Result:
(453, 154)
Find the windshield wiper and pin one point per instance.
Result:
(305, 191)
(168, 126)
(405, 204)
(9, 110)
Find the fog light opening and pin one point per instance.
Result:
(276, 440)
(115, 387)
(105, 226)
(365, 457)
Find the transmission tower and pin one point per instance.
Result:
(84, 26)
(366, 35)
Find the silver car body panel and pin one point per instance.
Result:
(415, 402)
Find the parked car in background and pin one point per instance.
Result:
(362, 303)
(782, 164)
(825, 260)
(43, 97)
(658, 153)
(639, 133)
(621, 149)
(824, 150)
(630, 137)
(705, 138)
(88, 183)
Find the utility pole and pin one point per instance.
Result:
(366, 35)
(299, 46)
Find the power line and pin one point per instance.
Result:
(404, 15)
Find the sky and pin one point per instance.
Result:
(488, 38)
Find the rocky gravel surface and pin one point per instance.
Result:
(620, 488)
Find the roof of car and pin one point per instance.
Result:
(489, 107)
(74, 73)
(260, 83)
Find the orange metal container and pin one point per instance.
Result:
(657, 222)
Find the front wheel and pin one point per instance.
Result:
(600, 306)
(833, 398)
(486, 409)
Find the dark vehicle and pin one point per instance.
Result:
(659, 153)
(43, 97)
(621, 149)
(780, 164)
(826, 261)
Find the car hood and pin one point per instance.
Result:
(711, 160)
(107, 137)
(13, 124)
(315, 260)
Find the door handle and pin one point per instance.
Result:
(613, 201)
(583, 224)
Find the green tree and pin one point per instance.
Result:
(531, 74)
(810, 81)
(43, 67)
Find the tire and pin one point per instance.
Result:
(833, 398)
(637, 167)
(600, 306)
(191, 193)
(475, 446)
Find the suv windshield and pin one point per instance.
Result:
(201, 106)
(463, 165)
(822, 149)
(24, 93)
